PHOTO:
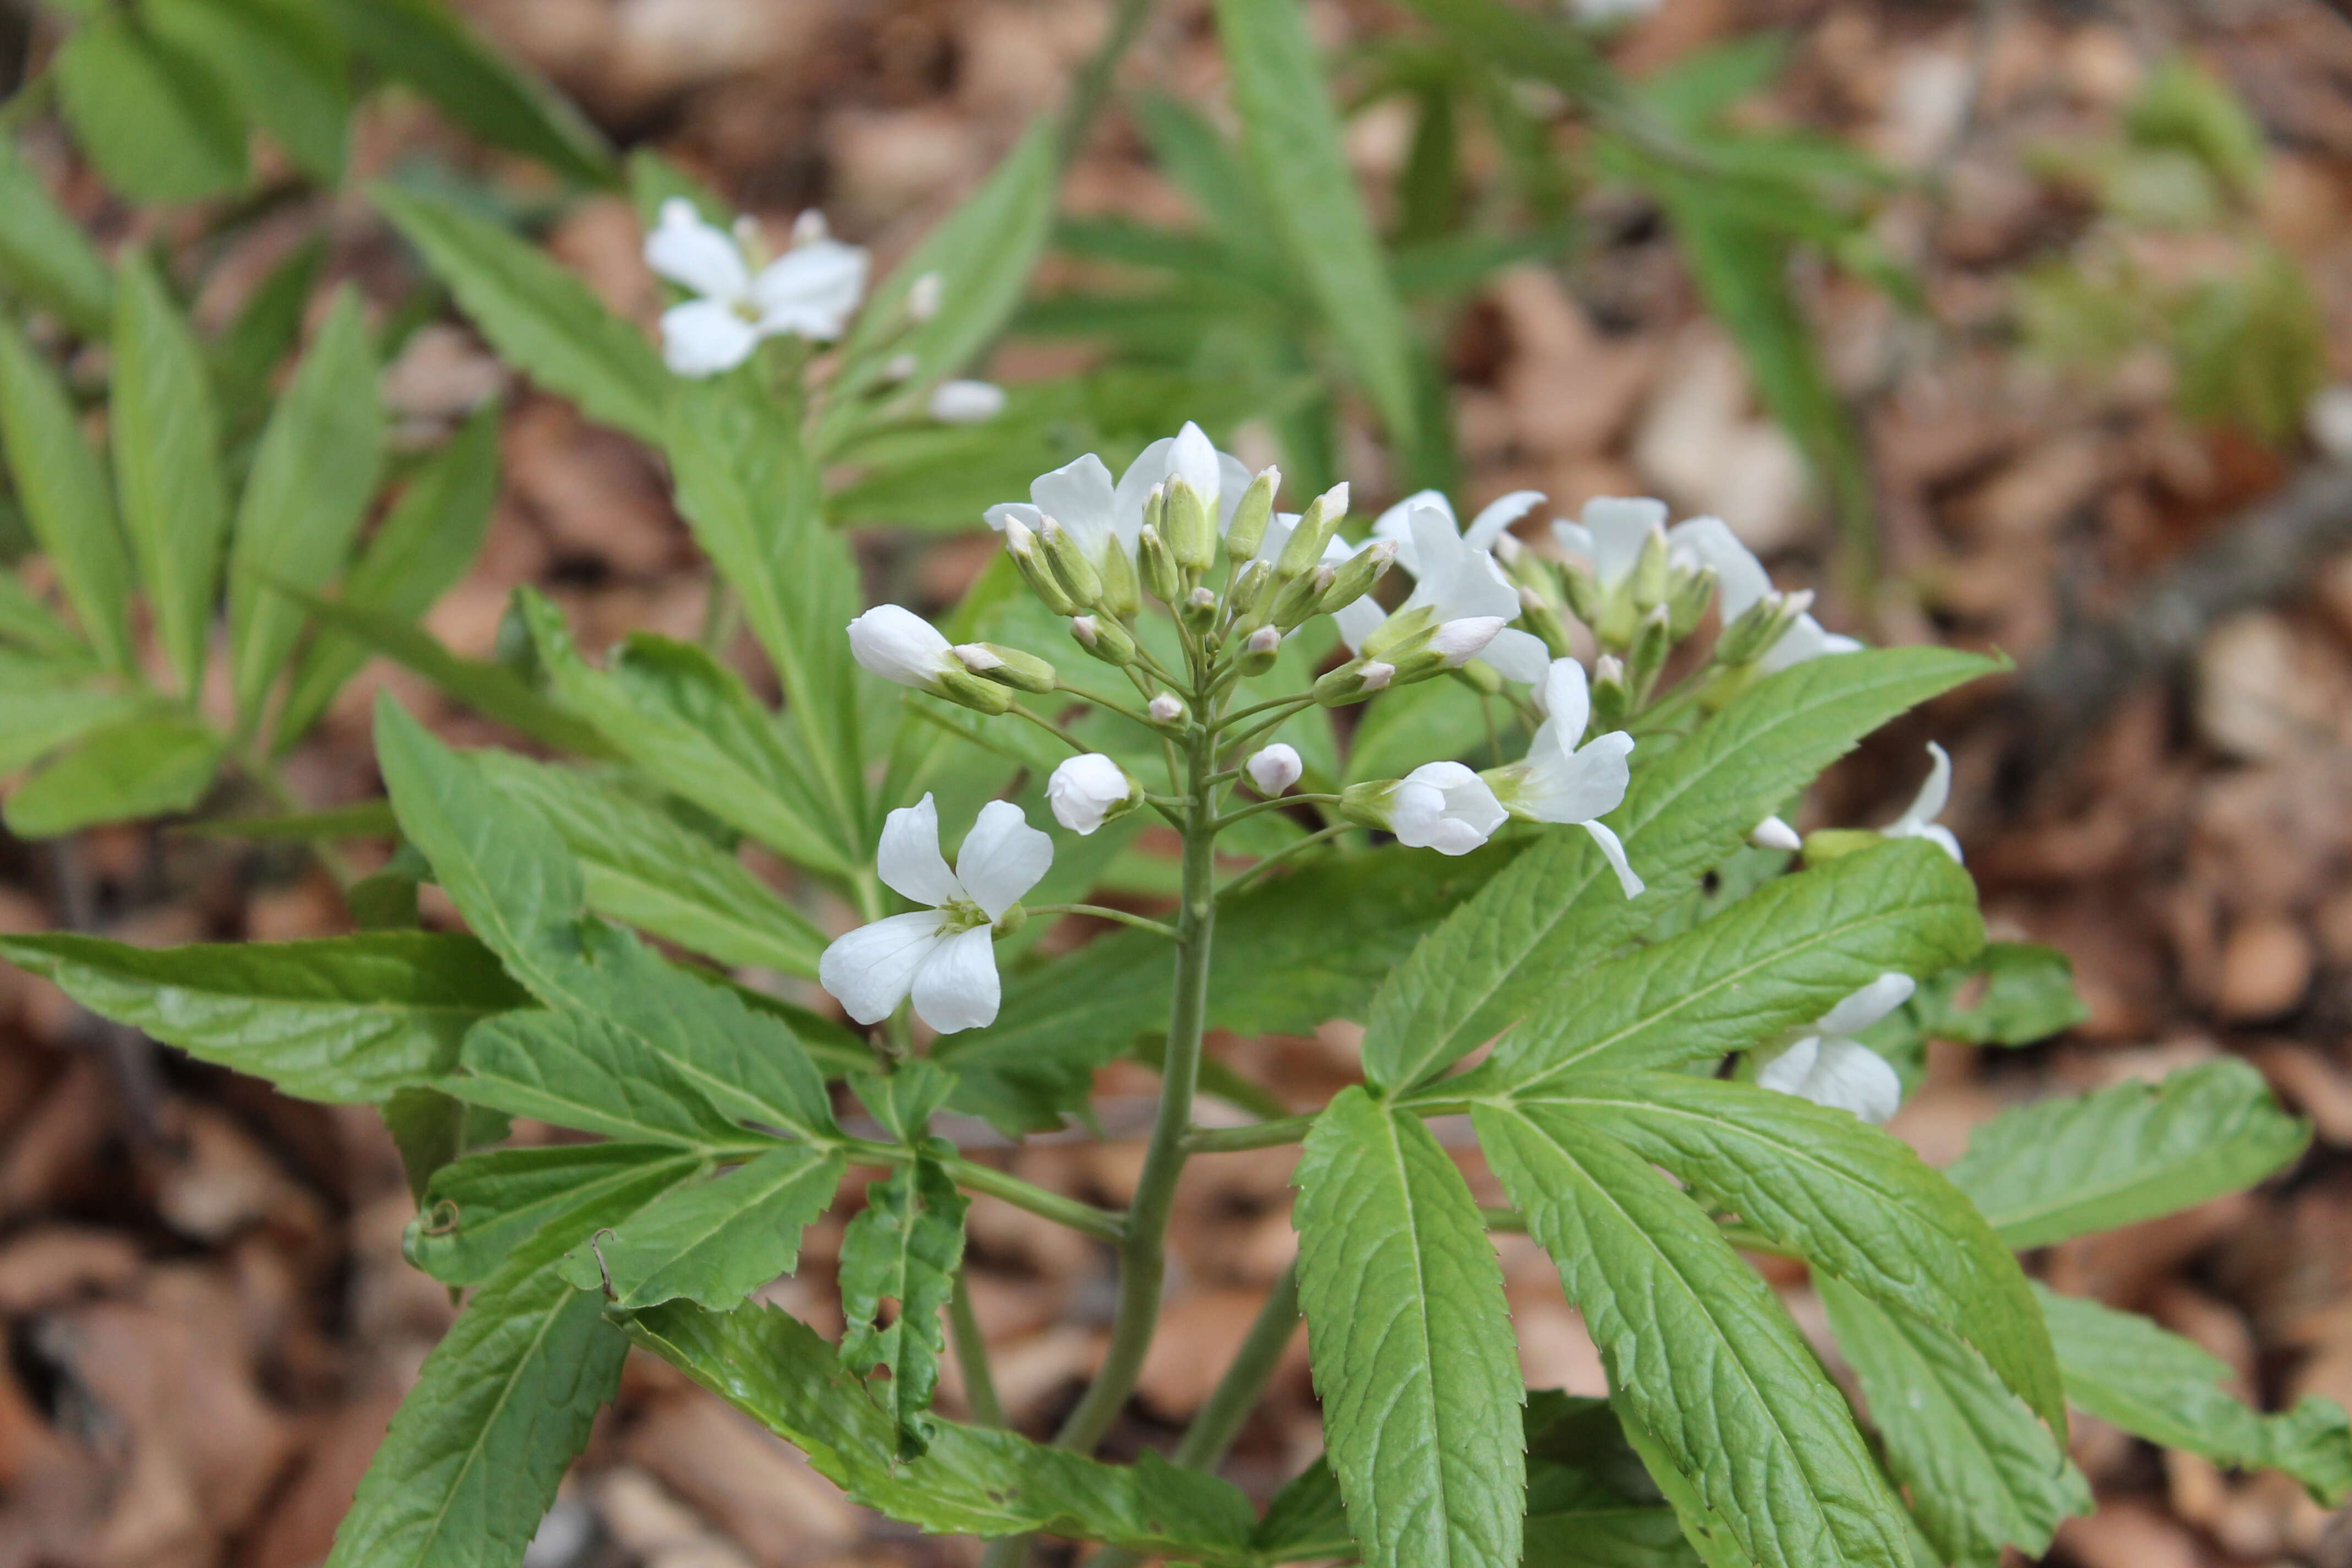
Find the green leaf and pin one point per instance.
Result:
(45, 256)
(1410, 1341)
(45, 706)
(1291, 952)
(777, 1370)
(1982, 1471)
(1592, 1502)
(982, 253)
(476, 1211)
(1780, 958)
(422, 547)
(905, 1100)
(1292, 138)
(2076, 1163)
(2154, 1385)
(904, 1247)
(714, 1242)
(2015, 993)
(167, 470)
(490, 689)
(266, 329)
(645, 868)
(346, 1019)
(431, 1129)
(150, 765)
(65, 498)
(755, 502)
(1698, 1345)
(1857, 1205)
(472, 1459)
(541, 318)
(1306, 1519)
(158, 125)
(693, 726)
(427, 45)
(1705, 1533)
(313, 475)
(361, 819)
(283, 64)
(1559, 907)
(27, 623)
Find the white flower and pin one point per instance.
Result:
(1564, 782)
(1080, 496)
(1273, 769)
(1827, 1066)
(809, 289)
(966, 402)
(1455, 579)
(1165, 709)
(924, 296)
(1493, 521)
(1774, 833)
(1918, 819)
(944, 956)
(1443, 807)
(1088, 791)
(899, 645)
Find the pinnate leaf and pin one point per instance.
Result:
(714, 1242)
(43, 253)
(904, 1247)
(148, 765)
(65, 498)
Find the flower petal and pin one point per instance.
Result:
(1846, 1074)
(1612, 849)
(696, 255)
(811, 289)
(1232, 482)
(703, 337)
(1498, 515)
(895, 643)
(957, 989)
(1567, 699)
(1619, 526)
(1194, 458)
(1941, 837)
(1397, 523)
(1934, 794)
(869, 970)
(1358, 621)
(1519, 656)
(1807, 640)
(1869, 1004)
(909, 858)
(1003, 858)
(1149, 468)
(1078, 496)
(1739, 577)
(1021, 511)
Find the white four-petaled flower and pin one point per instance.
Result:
(1456, 583)
(1918, 819)
(809, 289)
(1080, 496)
(1562, 782)
(1443, 807)
(1829, 1066)
(944, 956)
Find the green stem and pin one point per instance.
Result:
(1101, 1223)
(1056, 729)
(1140, 922)
(1321, 836)
(1253, 1135)
(264, 774)
(972, 1355)
(1142, 1252)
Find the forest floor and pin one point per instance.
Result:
(208, 1319)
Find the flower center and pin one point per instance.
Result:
(959, 915)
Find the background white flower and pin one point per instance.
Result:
(1080, 496)
(1827, 1066)
(1445, 806)
(1918, 819)
(1562, 782)
(1087, 790)
(809, 289)
(944, 956)
(966, 402)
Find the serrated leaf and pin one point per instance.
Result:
(157, 123)
(2076, 1163)
(904, 1247)
(1559, 907)
(148, 765)
(1982, 1473)
(644, 868)
(1292, 138)
(505, 1401)
(422, 546)
(64, 493)
(2015, 993)
(431, 1129)
(44, 253)
(1290, 953)
(541, 319)
(714, 1242)
(282, 63)
(346, 1019)
(45, 706)
(2156, 1384)
(904, 1101)
(313, 475)
(1306, 1519)
(476, 1211)
(1410, 1337)
(166, 439)
(428, 45)
(1859, 1206)
(692, 725)
(1698, 1346)
(777, 1370)
(755, 500)
(1705, 1534)
(1778, 959)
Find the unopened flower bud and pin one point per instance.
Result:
(1120, 593)
(1653, 639)
(1259, 651)
(1653, 571)
(1157, 567)
(981, 696)
(1457, 642)
(923, 296)
(1247, 529)
(1580, 592)
(1273, 769)
(1354, 681)
(1540, 616)
(1356, 576)
(1006, 666)
(1610, 699)
(1693, 592)
(1166, 710)
(1249, 592)
(1298, 598)
(1199, 610)
(1316, 526)
(1190, 531)
(1774, 833)
(1406, 632)
(899, 367)
(1021, 544)
(899, 645)
(966, 402)
(1077, 574)
(810, 228)
(1089, 790)
(1760, 627)
(1104, 638)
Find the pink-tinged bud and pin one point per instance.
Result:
(1274, 769)
(1165, 709)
